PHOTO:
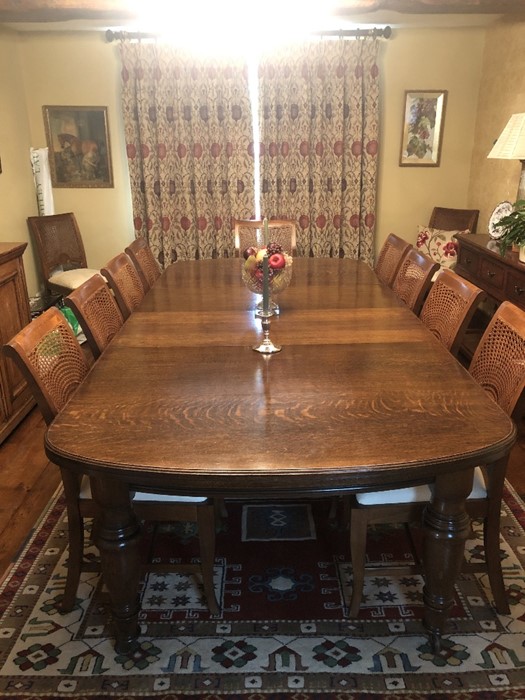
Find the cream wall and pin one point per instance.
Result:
(427, 59)
(82, 69)
(17, 192)
(502, 93)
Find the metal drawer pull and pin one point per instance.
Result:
(490, 273)
(518, 290)
(468, 260)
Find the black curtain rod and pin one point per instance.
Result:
(381, 33)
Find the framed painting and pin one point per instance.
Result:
(423, 121)
(78, 142)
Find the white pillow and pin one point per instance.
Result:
(439, 245)
(71, 279)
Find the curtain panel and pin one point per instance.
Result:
(319, 126)
(188, 126)
(189, 140)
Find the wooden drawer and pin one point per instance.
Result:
(515, 289)
(493, 275)
(469, 261)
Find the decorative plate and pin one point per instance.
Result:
(502, 209)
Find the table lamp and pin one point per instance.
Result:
(511, 146)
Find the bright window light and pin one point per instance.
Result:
(232, 27)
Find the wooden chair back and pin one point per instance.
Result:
(97, 312)
(454, 219)
(250, 232)
(498, 363)
(125, 283)
(58, 242)
(449, 307)
(50, 359)
(144, 261)
(390, 258)
(413, 279)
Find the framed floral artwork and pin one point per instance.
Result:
(423, 121)
(78, 142)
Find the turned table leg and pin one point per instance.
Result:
(117, 535)
(447, 526)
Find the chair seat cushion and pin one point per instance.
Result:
(439, 245)
(72, 279)
(416, 494)
(85, 493)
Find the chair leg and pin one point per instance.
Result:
(76, 540)
(491, 528)
(220, 508)
(358, 530)
(206, 524)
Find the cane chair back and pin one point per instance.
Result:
(97, 312)
(449, 307)
(144, 261)
(250, 232)
(60, 249)
(51, 360)
(446, 219)
(390, 258)
(498, 365)
(125, 283)
(413, 279)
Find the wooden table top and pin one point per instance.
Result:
(361, 395)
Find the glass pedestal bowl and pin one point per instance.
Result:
(278, 281)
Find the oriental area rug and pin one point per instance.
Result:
(283, 580)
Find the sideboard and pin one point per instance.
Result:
(479, 260)
(16, 399)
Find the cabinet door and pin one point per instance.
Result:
(15, 396)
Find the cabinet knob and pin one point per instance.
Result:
(490, 273)
(518, 290)
(468, 260)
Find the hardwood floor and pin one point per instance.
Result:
(28, 480)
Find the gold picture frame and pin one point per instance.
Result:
(79, 148)
(423, 119)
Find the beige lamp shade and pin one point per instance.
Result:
(511, 146)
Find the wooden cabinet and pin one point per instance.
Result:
(15, 398)
(503, 279)
(479, 261)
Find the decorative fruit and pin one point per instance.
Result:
(251, 263)
(261, 253)
(274, 248)
(277, 261)
(249, 251)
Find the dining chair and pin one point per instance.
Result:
(51, 360)
(97, 312)
(61, 253)
(390, 258)
(446, 219)
(144, 261)
(498, 365)
(414, 278)
(449, 308)
(250, 232)
(124, 282)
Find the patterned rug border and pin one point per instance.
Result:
(51, 516)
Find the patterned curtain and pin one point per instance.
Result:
(188, 129)
(319, 124)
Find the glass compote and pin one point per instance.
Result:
(278, 277)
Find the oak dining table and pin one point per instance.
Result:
(362, 396)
